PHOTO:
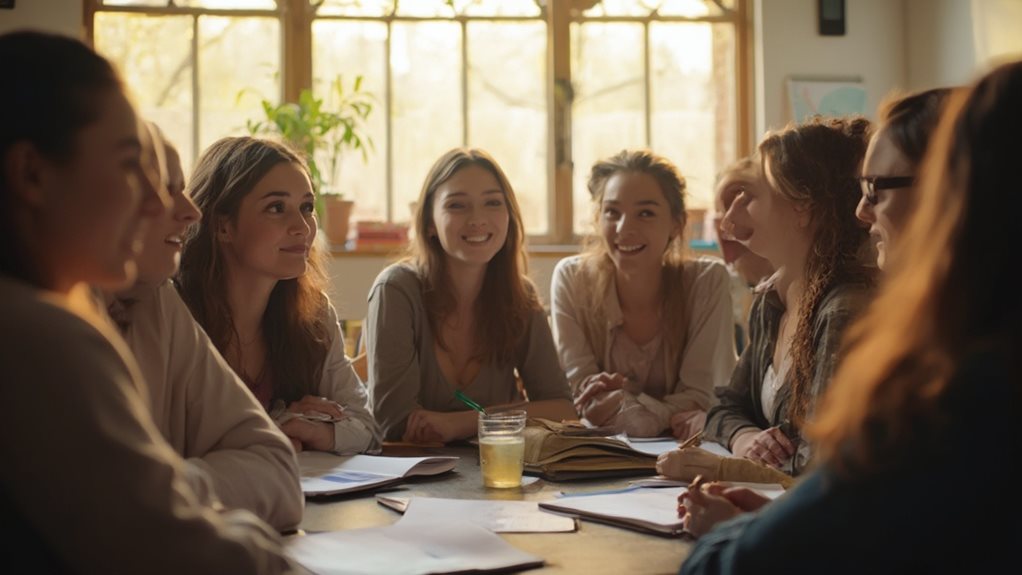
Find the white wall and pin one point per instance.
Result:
(941, 46)
(60, 16)
(787, 43)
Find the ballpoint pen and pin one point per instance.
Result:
(691, 441)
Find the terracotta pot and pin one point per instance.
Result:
(337, 219)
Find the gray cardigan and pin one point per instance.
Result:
(740, 407)
(403, 369)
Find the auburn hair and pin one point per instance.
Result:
(295, 324)
(950, 293)
(816, 165)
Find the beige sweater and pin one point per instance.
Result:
(86, 468)
(206, 412)
(708, 356)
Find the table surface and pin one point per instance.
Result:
(593, 549)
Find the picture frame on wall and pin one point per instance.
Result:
(6, 4)
(809, 96)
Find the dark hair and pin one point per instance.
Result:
(295, 325)
(52, 93)
(911, 120)
(504, 313)
(815, 164)
(952, 294)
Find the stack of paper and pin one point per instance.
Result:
(449, 547)
(328, 474)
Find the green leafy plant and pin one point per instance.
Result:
(330, 127)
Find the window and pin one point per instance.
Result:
(546, 86)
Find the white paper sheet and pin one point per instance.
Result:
(497, 516)
(408, 550)
(647, 509)
(658, 445)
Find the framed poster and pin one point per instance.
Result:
(808, 96)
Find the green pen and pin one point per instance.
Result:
(468, 401)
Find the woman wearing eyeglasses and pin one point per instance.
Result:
(892, 161)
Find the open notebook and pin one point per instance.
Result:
(646, 509)
(328, 474)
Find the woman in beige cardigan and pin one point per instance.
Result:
(644, 333)
(198, 403)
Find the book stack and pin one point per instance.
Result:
(380, 236)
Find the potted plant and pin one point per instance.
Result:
(325, 130)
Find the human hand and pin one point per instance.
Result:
(768, 446)
(311, 404)
(314, 435)
(424, 426)
(688, 463)
(598, 384)
(704, 506)
(602, 409)
(685, 424)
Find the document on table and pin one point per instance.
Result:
(329, 474)
(647, 509)
(658, 445)
(398, 549)
(770, 490)
(497, 516)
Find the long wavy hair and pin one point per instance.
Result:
(295, 325)
(599, 267)
(502, 316)
(815, 165)
(55, 90)
(951, 291)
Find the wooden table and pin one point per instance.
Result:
(593, 549)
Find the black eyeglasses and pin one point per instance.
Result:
(872, 184)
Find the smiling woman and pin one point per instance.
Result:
(460, 314)
(643, 332)
(252, 275)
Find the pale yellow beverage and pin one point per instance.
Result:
(501, 460)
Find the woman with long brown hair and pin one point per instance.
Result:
(918, 436)
(459, 314)
(252, 275)
(802, 222)
(644, 332)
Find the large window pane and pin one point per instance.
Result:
(229, 4)
(497, 7)
(646, 8)
(425, 62)
(609, 109)
(507, 108)
(692, 101)
(351, 49)
(154, 57)
(235, 55)
(370, 8)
